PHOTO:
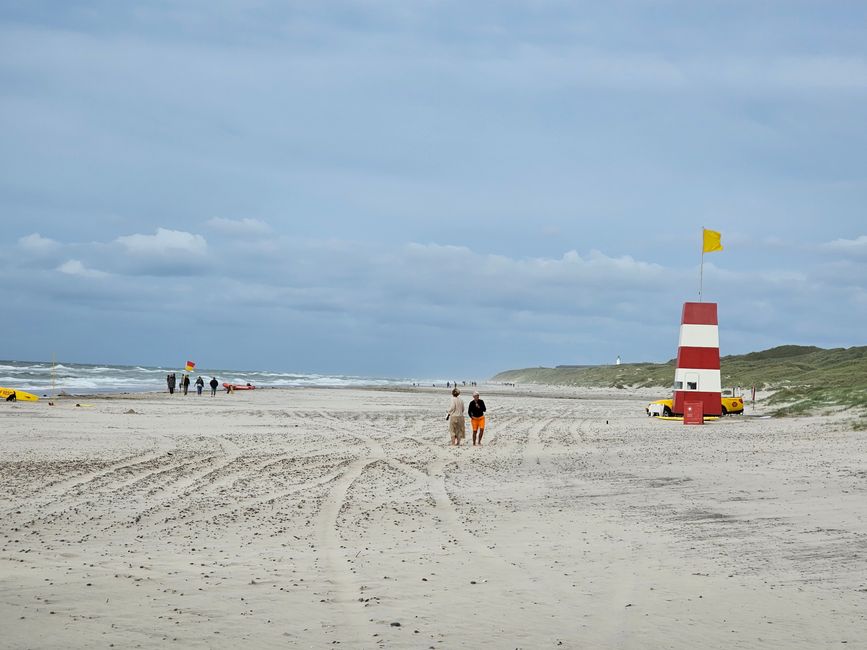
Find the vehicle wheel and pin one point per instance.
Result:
(725, 411)
(666, 412)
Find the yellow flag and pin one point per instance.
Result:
(712, 241)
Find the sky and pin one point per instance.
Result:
(427, 189)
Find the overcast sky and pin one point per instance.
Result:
(427, 189)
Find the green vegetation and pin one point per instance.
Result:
(804, 379)
(627, 374)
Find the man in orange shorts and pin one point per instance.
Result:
(476, 411)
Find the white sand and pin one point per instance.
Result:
(314, 518)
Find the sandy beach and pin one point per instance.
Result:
(333, 517)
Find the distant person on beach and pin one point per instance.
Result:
(186, 383)
(200, 385)
(170, 380)
(213, 384)
(476, 411)
(455, 416)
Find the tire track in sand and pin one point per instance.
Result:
(434, 481)
(515, 578)
(185, 489)
(355, 629)
(64, 487)
(533, 450)
(447, 514)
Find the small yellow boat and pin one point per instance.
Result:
(19, 395)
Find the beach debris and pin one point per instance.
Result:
(131, 412)
(395, 624)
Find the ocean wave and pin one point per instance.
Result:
(43, 377)
(24, 368)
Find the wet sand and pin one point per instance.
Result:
(341, 518)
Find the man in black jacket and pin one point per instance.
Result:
(476, 411)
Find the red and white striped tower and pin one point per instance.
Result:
(697, 377)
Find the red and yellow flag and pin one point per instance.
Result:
(190, 366)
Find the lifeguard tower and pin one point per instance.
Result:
(697, 376)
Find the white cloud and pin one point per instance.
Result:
(76, 267)
(595, 270)
(409, 281)
(36, 243)
(240, 226)
(164, 242)
(857, 246)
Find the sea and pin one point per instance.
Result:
(46, 378)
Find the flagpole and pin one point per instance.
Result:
(701, 267)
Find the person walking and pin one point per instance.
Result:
(186, 383)
(476, 411)
(200, 384)
(213, 384)
(170, 380)
(455, 416)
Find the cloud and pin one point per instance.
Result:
(504, 276)
(76, 267)
(36, 243)
(164, 243)
(857, 246)
(437, 284)
(370, 298)
(522, 129)
(240, 226)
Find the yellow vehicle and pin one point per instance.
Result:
(730, 406)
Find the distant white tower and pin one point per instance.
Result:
(617, 363)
